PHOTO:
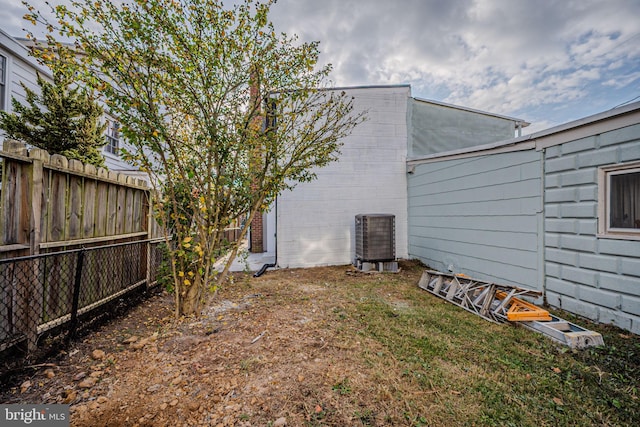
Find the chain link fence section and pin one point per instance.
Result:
(42, 292)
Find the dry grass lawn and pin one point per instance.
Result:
(334, 347)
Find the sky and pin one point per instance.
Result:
(545, 61)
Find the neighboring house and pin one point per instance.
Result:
(314, 224)
(16, 66)
(557, 211)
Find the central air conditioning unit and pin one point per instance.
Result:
(375, 238)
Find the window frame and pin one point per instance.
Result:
(109, 137)
(604, 201)
(4, 70)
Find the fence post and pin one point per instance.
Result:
(37, 182)
(73, 323)
(148, 206)
(23, 210)
(35, 222)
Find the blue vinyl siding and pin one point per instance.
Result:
(590, 275)
(479, 215)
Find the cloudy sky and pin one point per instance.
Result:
(545, 61)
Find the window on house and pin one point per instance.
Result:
(3, 82)
(619, 200)
(113, 137)
(271, 118)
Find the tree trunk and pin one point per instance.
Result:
(191, 298)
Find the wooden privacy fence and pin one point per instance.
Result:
(50, 205)
(50, 202)
(72, 238)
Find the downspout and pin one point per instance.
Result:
(275, 263)
(542, 255)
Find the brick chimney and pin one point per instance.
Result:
(256, 243)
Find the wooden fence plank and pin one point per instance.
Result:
(74, 208)
(128, 211)
(44, 216)
(137, 223)
(57, 206)
(101, 208)
(112, 209)
(120, 220)
(89, 209)
(10, 192)
(48, 203)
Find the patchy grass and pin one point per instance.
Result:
(445, 366)
(335, 347)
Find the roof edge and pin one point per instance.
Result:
(18, 49)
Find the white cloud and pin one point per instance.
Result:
(528, 58)
(623, 80)
(503, 56)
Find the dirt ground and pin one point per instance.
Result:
(266, 351)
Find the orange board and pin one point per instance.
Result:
(523, 311)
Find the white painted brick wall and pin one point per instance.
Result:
(316, 220)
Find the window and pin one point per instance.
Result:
(113, 137)
(271, 118)
(3, 82)
(619, 200)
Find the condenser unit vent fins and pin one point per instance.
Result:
(375, 237)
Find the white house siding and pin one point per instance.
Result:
(316, 219)
(20, 68)
(21, 71)
(479, 216)
(115, 163)
(596, 277)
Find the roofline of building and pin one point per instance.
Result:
(520, 122)
(19, 50)
(605, 121)
(404, 85)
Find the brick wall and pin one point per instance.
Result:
(257, 241)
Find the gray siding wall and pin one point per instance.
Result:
(598, 278)
(437, 128)
(479, 215)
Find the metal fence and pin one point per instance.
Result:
(41, 293)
